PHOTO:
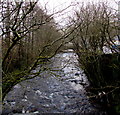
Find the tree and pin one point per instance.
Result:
(23, 28)
(98, 25)
(33, 38)
(96, 29)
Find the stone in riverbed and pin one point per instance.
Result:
(76, 74)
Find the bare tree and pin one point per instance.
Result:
(98, 26)
(33, 37)
(21, 22)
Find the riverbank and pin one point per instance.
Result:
(103, 72)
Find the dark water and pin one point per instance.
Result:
(60, 89)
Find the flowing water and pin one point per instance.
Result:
(59, 89)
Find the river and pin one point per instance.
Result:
(59, 89)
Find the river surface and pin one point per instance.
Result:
(59, 89)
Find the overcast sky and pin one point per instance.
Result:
(56, 5)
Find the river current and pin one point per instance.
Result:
(59, 89)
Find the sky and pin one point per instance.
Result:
(51, 4)
(57, 5)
